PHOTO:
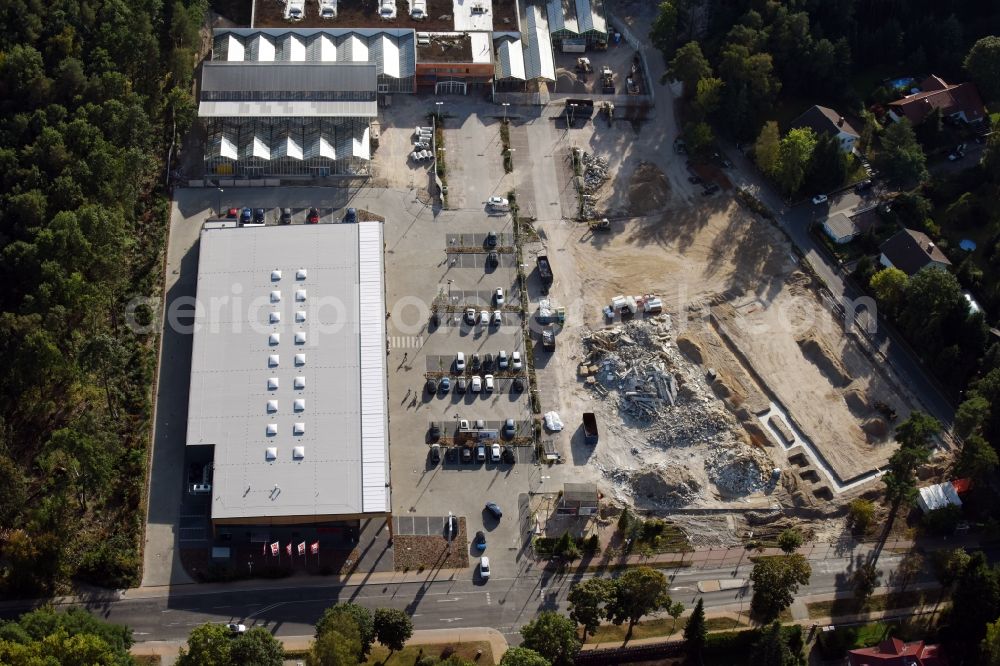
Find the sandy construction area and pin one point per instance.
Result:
(771, 337)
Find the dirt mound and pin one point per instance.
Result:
(875, 428)
(856, 403)
(648, 189)
(691, 349)
(737, 471)
(822, 357)
(664, 486)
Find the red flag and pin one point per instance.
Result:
(302, 549)
(288, 548)
(314, 548)
(274, 548)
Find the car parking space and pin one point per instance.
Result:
(485, 297)
(482, 261)
(504, 241)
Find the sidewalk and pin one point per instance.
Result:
(168, 650)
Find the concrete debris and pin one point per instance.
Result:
(683, 446)
(595, 174)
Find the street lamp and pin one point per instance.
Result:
(510, 154)
(572, 113)
(505, 105)
(438, 105)
(220, 200)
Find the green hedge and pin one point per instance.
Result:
(733, 648)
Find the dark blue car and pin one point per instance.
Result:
(246, 216)
(480, 541)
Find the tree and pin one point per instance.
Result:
(553, 636)
(689, 66)
(362, 618)
(971, 415)
(983, 65)
(975, 603)
(708, 97)
(338, 645)
(698, 137)
(860, 513)
(587, 601)
(522, 656)
(771, 649)
(637, 592)
(790, 540)
(207, 645)
(827, 168)
(901, 157)
(675, 610)
(257, 647)
(393, 628)
(944, 520)
(888, 285)
(795, 152)
(666, 27)
(45, 636)
(989, 649)
(775, 583)
(767, 149)
(977, 459)
(695, 632)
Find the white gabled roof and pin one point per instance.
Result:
(538, 60)
(374, 419)
(510, 59)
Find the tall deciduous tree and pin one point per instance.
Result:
(975, 603)
(362, 618)
(553, 636)
(638, 592)
(775, 582)
(983, 65)
(989, 649)
(393, 628)
(338, 645)
(900, 156)
(587, 601)
(522, 656)
(795, 152)
(767, 149)
(889, 285)
(978, 459)
(257, 647)
(827, 168)
(771, 649)
(207, 645)
(689, 66)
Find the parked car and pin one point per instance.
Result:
(492, 259)
(517, 385)
(495, 453)
(240, 628)
(434, 433)
(484, 567)
(819, 199)
(502, 360)
(509, 429)
(259, 215)
(466, 455)
(351, 216)
(233, 213)
(477, 384)
(461, 385)
(286, 215)
(491, 239)
(489, 383)
(498, 296)
(481, 453)
(494, 510)
(246, 216)
(313, 216)
(497, 318)
(470, 316)
(508, 455)
(865, 184)
(515, 360)
(484, 317)
(436, 453)
(480, 424)
(480, 541)
(452, 524)
(488, 363)
(445, 385)
(498, 203)
(460, 361)
(476, 363)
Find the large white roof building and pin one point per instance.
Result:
(288, 377)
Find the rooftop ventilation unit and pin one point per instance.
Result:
(272, 406)
(300, 316)
(300, 383)
(300, 295)
(275, 317)
(273, 383)
(300, 338)
(274, 338)
(275, 276)
(300, 359)
(299, 452)
(272, 361)
(271, 453)
(301, 274)
(300, 404)
(275, 296)
(299, 429)
(272, 429)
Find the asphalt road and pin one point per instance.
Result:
(287, 609)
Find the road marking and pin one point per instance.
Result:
(265, 608)
(488, 601)
(441, 601)
(450, 619)
(682, 587)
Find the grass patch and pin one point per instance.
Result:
(878, 602)
(622, 566)
(834, 645)
(411, 653)
(610, 633)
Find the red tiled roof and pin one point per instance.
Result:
(935, 93)
(894, 652)
(961, 485)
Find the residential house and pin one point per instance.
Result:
(579, 499)
(912, 251)
(959, 101)
(822, 120)
(894, 652)
(840, 228)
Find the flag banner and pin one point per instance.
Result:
(288, 549)
(302, 549)
(314, 548)
(274, 548)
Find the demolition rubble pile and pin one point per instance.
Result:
(681, 445)
(595, 173)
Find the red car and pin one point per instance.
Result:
(313, 217)
(233, 213)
